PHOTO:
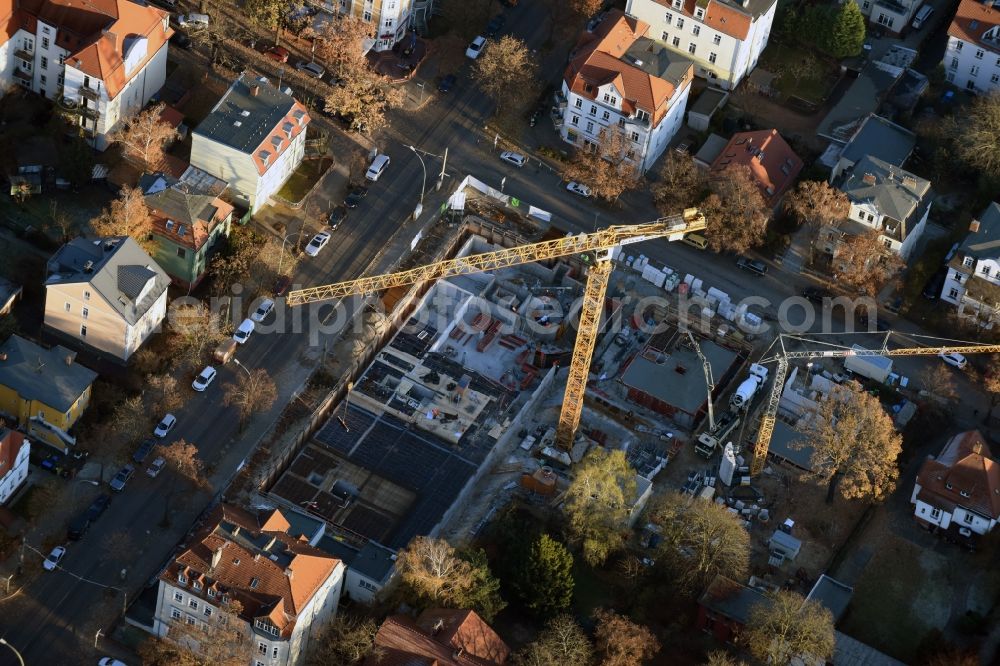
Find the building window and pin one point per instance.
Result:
(211, 592)
(621, 122)
(995, 78)
(974, 70)
(85, 312)
(262, 647)
(208, 611)
(44, 62)
(196, 584)
(193, 603)
(635, 136)
(676, 42)
(699, 13)
(578, 103)
(62, 59)
(590, 128)
(274, 652)
(86, 295)
(610, 99)
(887, 21)
(575, 120)
(181, 252)
(968, 519)
(970, 85)
(958, 46)
(178, 597)
(665, 37)
(368, 586)
(953, 293)
(680, 23)
(175, 614)
(190, 620)
(367, 15)
(45, 43)
(68, 307)
(593, 109)
(985, 270)
(711, 58)
(606, 116)
(669, 18)
(692, 47)
(717, 40)
(951, 77)
(866, 5)
(935, 513)
(696, 30)
(954, 63)
(979, 54)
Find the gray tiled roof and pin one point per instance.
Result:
(180, 201)
(658, 61)
(257, 115)
(833, 595)
(36, 373)
(895, 192)
(984, 243)
(118, 270)
(861, 98)
(882, 138)
(731, 599)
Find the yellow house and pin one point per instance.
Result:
(43, 390)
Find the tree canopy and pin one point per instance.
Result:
(846, 35)
(681, 183)
(622, 642)
(348, 639)
(598, 502)
(505, 65)
(144, 136)
(864, 264)
(735, 212)
(609, 169)
(562, 643)
(816, 203)
(789, 626)
(975, 133)
(126, 216)
(544, 578)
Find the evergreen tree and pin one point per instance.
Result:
(545, 579)
(483, 596)
(846, 35)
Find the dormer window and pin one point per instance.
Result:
(170, 225)
(963, 493)
(947, 486)
(181, 578)
(265, 157)
(196, 584)
(180, 229)
(678, 4)
(699, 13)
(211, 592)
(288, 128)
(968, 261)
(276, 142)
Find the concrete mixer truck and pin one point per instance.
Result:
(740, 400)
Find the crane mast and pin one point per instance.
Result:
(597, 245)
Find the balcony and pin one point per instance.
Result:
(26, 55)
(90, 93)
(89, 112)
(23, 75)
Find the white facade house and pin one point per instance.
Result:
(390, 18)
(973, 280)
(724, 39)
(15, 450)
(958, 493)
(287, 589)
(254, 139)
(972, 58)
(892, 16)
(620, 81)
(103, 60)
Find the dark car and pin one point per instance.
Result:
(447, 83)
(181, 40)
(495, 25)
(815, 294)
(337, 215)
(98, 506)
(277, 53)
(78, 526)
(144, 450)
(356, 196)
(753, 265)
(932, 290)
(281, 285)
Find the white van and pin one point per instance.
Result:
(193, 20)
(378, 166)
(925, 13)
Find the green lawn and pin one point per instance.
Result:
(800, 72)
(302, 180)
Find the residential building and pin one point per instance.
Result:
(724, 608)
(619, 80)
(102, 58)
(958, 493)
(875, 136)
(723, 38)
(107, 294)
(254, 138)
(771, 161)
(287, 588)
(973, 280)
(390, 19)
(43, 391)
(187, 223)
(883, 197)
(972, 58)
(438, 636)
(15, 450)
(891, 16)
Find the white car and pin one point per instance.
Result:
(263, 310)
(318, 242)
(954, 358)
(517, 159)
(311, 68)
(242, 334)
(164, 427)
(54, 558)
(110, 661)
(202, 381)
(156, 467)
(579, 188)
(476, 47)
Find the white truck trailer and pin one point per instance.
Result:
(874, 367)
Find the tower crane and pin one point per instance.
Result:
(597, 245)
(781, 359)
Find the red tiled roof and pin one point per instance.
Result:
(269, 572)
(171, 116)
(724, 18)
(463, 640)
(93, 31)
(964, 474)
(278, 139)
(768, 157)
(973, 20)
(11, 442)
(597, 61)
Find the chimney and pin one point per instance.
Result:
(289, 573)
(974, 226)
(69, 358)
(3, 356)
(254, 90)
(216, 557)
(113, 37)
(977, 448)
(438, 626)
(869, 178)
(909, 181)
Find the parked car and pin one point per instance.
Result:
(337, 215)
(313, 69)
(164, 427)
(78, 527)
(181, 40)
(277, 53)
(495, 25)
(193, 21)
(753, 265)
(356, 196)
(156, 467)
(932, 290)
(98, 506)
(121, 478)
(447, 83)
(954, 359)
(110, 661)
(579, 188)
(815, 294)
(517, 159)
(377, 167)
(317, 243)
(695, 240)
(143, 451)
(54, 558)
(476, 47)
(204, 378)
(265, 308)
(244, 331)
(282, 284)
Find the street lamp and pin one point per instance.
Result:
(420, 206)
(237, 362)
(284, 240)
(14, 650)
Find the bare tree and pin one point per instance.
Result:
(162, 394)
(864, 264)
(610, 169)
(788, 626)
(363, 98)
(144, 137)
(621, 642)
(126, 216)
(130, 419)
(266, 14)
(61, 221)
(561, 643)
(939, 380)
(681, 185)
(720, 658)
(975, 133)
(433, 570)
(182, 459)
(854, 445)
(195, 330)
(735, 212)
(255, 391)
(339, 43)
(503, 66)
(348, 639)
(815, 203)
(222, 639)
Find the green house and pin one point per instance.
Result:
(187, 224)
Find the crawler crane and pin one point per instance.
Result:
(595, 248)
